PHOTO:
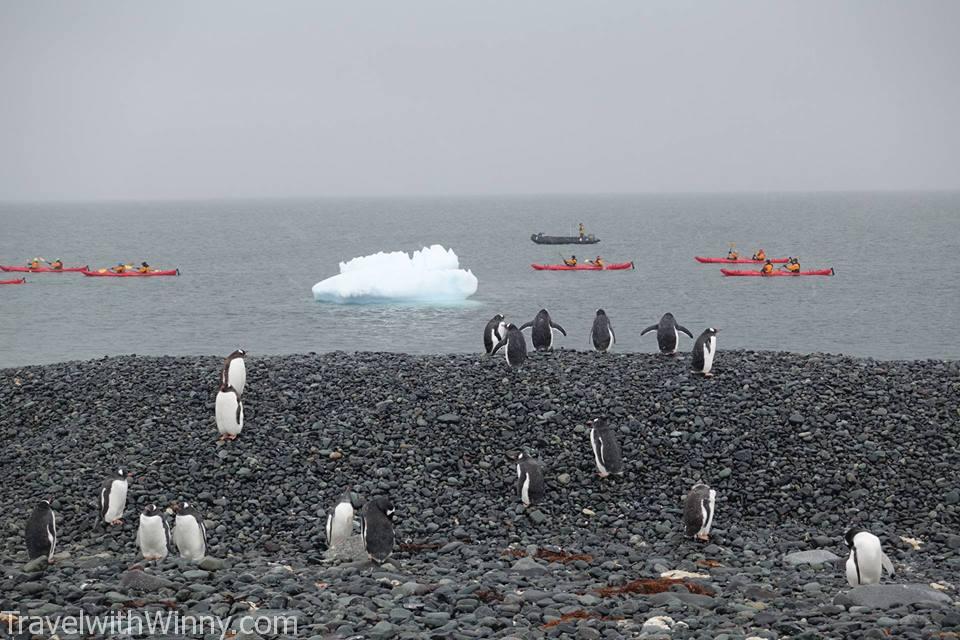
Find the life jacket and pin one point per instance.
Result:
(570, 263)
(760, 255)
(119, 269)
(768, 268)
(143, 269)
(733, 255)
(57, 265)
(598, 262)
(793, 267)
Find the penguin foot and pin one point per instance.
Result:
(708, 375)
(703, 537)
(116, 522)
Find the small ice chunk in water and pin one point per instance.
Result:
(432, 274)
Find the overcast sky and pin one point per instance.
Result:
(120, 99)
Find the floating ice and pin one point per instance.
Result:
(433, 274)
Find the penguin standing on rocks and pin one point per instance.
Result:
(494, 332)
(340, 520)
(234, 372)
(376, 528)
(602, 332)
(41, 532)
(543, 327)
(189, 534)
(516, 351)
(606, 449)
(698, 511)
(153, 535)
(867, 559)
(704, 350)
(530, 483)
(113, 497)
(668, 334)
(229, 411)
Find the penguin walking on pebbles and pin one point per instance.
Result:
(113, 497)
(494, 332)
(516, 351)
(606, 449)
(340, 520)
(229, 412)
(698, 511)
(704, 351)
(153, 534)
(530, 483)
(376, 528)
(41, 532)
(602, 332)
(867, 559)
(543, 327)
(668, 334)
(234, 373)
(189, 534)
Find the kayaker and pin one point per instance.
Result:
(583, 231)
(733, 254)
(793, 265)
(767, 268)
(572, 262)
(57, 265)
(34, 264)
(120, 268)
(143, 268)
(598, 262)
(760, 255)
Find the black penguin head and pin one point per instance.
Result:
(667, 317)
(43, 505)
(121, 474)
(850, 535)
(150, 510)
(601, 312)
(601, 423)
(710, 331)
(347, 495)
(543, 312)
(511, 327)
(383, 504)
(497, 317)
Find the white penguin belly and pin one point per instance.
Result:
(237, 374)
(117, 501)
(189, 539)
(708, 514)
(227, 414)
(152, 537)
(613, 340)
(598, 455)
(525, 490)
(676, 341)
(341, 524)
(708, 353)
(52, 536)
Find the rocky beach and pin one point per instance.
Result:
(798, 448)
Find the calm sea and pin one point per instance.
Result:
(248, 266)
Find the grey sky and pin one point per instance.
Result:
(120, 99)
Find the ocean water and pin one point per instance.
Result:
(248, 266)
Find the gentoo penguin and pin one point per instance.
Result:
(704, 350)
(530, 484)
(516, 351)
(867, 560)
(494, 332)
(698, 511)
(229, 413)
(668, 334)
(606, 449)
(113, 497)
(602, 333)
(340, 520)
(189, 534)
(234, 372)
(41, 532)
(543, 328)
(153, 535)
(376, 528)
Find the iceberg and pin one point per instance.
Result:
(432, 274)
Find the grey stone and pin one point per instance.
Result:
(885, 596)
(814, 556)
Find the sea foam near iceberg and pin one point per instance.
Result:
(432, 274)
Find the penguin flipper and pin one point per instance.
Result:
(499, 344)
(887, 564)
(684, 330)
(526, 325)
(103, 502)
(653, 327)
(558, 327)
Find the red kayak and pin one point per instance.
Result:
(739, 260)
(817, 272)
(44, 269)
(613, 266)
(131, 274)
(20, 281)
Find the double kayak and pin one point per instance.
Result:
(539, 238)
(816, 272)
(131, 274)
(18, 281)
(44, 269)
(613, 266)
(739, 260)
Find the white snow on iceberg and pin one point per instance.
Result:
(433, 274)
